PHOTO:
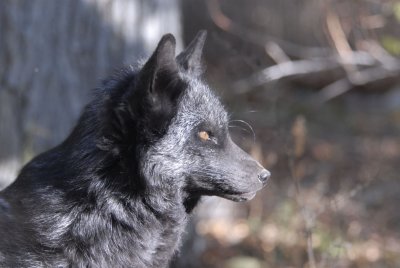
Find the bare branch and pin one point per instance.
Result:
(302, 67)
(350, 68)
(359, 78)
(276, 52)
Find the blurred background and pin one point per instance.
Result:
(314, 87)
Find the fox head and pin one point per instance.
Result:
(174, 124)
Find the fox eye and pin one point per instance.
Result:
(204, 135)
(207, 136)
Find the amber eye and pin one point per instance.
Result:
(204, 136)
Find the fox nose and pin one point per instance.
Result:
(264, 176)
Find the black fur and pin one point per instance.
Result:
(117, 192)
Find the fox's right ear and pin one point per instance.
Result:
(190, 59)
(160, 66)
(158, 86)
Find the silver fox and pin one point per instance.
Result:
(118, 191)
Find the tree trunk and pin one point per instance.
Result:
(53, 52)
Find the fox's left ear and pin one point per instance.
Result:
(190, 59)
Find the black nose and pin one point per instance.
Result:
(264, 176)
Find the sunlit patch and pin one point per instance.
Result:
(204, 136)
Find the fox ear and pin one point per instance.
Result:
(160, 66)
(158, 87)
(190, 59)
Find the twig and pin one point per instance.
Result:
(276, 52)
(310, 251)
(359, 78)
(280, 71)
(356, 68)
(339, 39)
(380, 54)
(301, 67)
(299, 132)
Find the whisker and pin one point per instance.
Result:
(248, 125)
(244, 129)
